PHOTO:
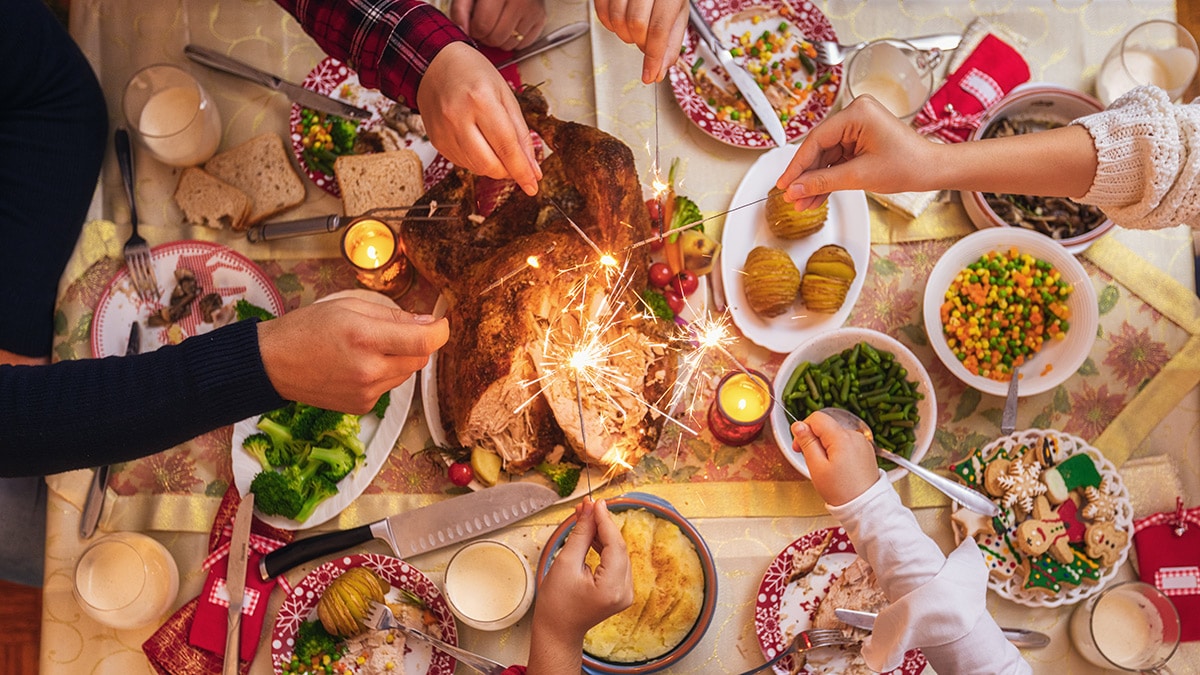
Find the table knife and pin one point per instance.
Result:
(740, 77)
(1008, 420)
(93, 504)
(235, 581)
(423, 530)
(1021, 637)
(305, 97)
(555, 38)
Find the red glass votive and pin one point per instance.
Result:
(740, 407)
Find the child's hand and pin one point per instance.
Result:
(840, 462)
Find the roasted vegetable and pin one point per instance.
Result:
(827, 278)
(771, 281)
(565, 477)
(347, 601)
(786, 222)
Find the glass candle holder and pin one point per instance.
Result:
(373, 249)
(740, 407)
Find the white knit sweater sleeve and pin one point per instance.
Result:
(1148, 151)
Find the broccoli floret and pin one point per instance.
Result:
(282, 415)
(276, 494)
(382, 404)
(686, 212)
(338, 462)
(281, 435)
(343, 132)
(247, 310)
(657, 304)
(310, 422)
(564, 476)
(312, 640)
(319, 489)
(261, 448)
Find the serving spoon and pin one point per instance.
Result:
(960, 493)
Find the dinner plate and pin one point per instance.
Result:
(337, 80)
(730, 18)
(847, 225)
(378, 435)
(997, 549)
(782, 609)
(217, 268)
(301, 606)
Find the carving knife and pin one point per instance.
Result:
(740, 77)
(555, 38)
(425, 529)
(1021, 637)
(305, 97)
(235, 581)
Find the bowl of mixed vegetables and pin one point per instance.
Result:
(868, 373)
(1001, 298)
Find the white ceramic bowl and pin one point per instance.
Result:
(1039, 101)
(822, 346)
(1062, 356)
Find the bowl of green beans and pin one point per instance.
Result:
(868, 373)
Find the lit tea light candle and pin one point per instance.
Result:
(369, 244)
(740, 408)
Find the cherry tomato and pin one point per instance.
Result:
(461, 473)
(660, 275)
(674, 300)
(685, 283)
(656, 224)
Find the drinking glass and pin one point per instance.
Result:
(489, 585)
(1131, 626)
(126, 580)
(172, 114)
(896, 73)
(1158, 52)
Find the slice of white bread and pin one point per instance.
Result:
(379, 179)
(260, 167)
(207, 200)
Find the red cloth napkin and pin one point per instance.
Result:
(192, 641)
(1168, 555)
(992, 70)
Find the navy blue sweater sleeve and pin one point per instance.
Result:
(76, 414)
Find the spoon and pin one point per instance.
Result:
(960, 493)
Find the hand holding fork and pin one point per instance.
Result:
(803, 642)
(137, 250)
(381, 618)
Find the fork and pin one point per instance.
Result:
(806, 640)
(381, 618)
(832, 53)
(137, 250)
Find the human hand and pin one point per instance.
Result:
(841, 462)
(862, 147)
(344, 354)
(655, 26)
(472, 117)
(506, 24)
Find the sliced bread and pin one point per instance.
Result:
(207, 200)
(260, 167)
(379, 179)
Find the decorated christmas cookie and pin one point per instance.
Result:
(1105, 542)
(1044, 532)
(1101, 503)
(998, 553)
(1074, 472)
(1020, 483)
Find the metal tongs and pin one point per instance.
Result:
(333, 223)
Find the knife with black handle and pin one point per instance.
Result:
(93, 504)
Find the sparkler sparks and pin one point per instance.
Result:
(532, 262)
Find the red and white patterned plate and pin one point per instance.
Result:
(732, 17)
(217, 268)
(334, 78)
(781, 610)
(301, 606)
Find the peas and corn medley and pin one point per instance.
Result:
(1001, 309)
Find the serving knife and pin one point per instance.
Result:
(423, 530)
(305, 97)
(235, 581)
(740, 77)
(555, 38)
(1008, 420)
(1021, 637)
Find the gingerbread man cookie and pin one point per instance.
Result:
(1105, 542)
(1101, 503)
(1044, 532)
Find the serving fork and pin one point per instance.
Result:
(137, 249)
(804, 641)
(832, 53)
(381, 618)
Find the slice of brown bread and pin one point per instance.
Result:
(207, 200)
(260, 167)
(379, 179)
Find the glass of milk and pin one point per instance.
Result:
(489, 585)
(1159, 52)
(1130, 626)
(126, 580)
(173, 116)
(895, 73)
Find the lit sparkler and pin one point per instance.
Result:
(683, 228)
(532, 262)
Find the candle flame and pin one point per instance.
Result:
(533, 261)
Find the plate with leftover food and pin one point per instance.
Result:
(318, 138)
(1066, 524)
(772, 40)
(332, 456)
(791, 275)
(326, 606)
(200, 284)
(811, 577)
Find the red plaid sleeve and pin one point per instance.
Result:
(388, 42)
